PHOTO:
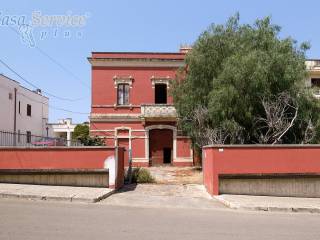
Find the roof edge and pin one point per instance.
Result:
(166, 53)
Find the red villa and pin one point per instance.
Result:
(131, 106)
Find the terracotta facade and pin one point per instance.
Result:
(131, 106)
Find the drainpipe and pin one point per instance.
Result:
(15, 117)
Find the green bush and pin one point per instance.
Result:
(142, 175)
(82, 134)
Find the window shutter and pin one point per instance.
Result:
(120, 94)
(126, 94)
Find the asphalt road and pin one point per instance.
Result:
(21, 219)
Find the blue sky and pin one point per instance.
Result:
(59, 65)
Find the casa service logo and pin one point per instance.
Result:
(42, 26)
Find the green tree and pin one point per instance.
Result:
(81, 133)
(244, 84)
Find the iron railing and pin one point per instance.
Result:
(28, 140)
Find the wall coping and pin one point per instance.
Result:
(39, 148)
(52, 171)
(267, 175)
(263, 146)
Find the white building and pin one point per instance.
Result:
(22, 111)
(62, 129)
(313, 79)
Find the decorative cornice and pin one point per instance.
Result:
(99, 117)
(122, 80)
(160, 80)
(136, 62)
(131, 106)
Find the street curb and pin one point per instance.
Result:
(73, 198)
(18, 196)
(92, 200)
(267, 209)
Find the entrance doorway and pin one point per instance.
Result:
(160, 146)
(167, 155)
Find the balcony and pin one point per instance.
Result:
(158, 112)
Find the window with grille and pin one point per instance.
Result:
(123, 94)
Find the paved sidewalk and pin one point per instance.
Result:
(189, 196)
(267, 203)
(56, 193)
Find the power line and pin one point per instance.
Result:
(51, 106)
(55, 61)
(34, 86)
(62, 67)
(7, 66)
(45, 103)
(66, 110)
(47, 93)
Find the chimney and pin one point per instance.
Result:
(185, 48)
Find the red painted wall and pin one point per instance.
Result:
(183, 147)
(104, 92)
(113, 125)
(54, 158)
(138, 147)
(224, 160)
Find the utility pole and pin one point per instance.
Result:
(15, 118)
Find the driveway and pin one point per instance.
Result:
(163, 196)
(177, 175)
